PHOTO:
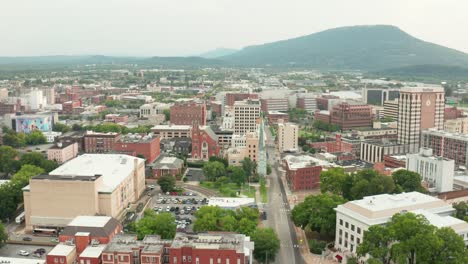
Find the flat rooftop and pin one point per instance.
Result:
(92, 251)
(61, 250)
(90, 221)
(230, 202)
(171, 127)
(303, 161)
(137, 138)
(383, 206)
(8, 260)
(228, 241)
(114, 168)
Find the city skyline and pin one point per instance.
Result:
(123, 28)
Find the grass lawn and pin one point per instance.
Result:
(263, 191)
(228, 189)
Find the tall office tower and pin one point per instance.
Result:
(287, 137)
(419, 108)
(246, 115)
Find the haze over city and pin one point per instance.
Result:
(182, 27)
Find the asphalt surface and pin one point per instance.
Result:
(11, 250)
(279, 212)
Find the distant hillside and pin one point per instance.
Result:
(358, 47)
(216, 53)
(424, 72)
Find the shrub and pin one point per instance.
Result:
(317, 246)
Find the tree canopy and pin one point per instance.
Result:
(156, 224)
(409, 238)
(407, 181)
(317, 212)
(461, 210)
(213, 170)
(213, 218)
(3, 235)
(167, 183)
(267, 244)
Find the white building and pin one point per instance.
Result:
(153, 109)
(246, 116)
(231, 203)
(437, 172)
(36, 99)
(51, 135)
(355, 217)
(172, 131)
(228, 118)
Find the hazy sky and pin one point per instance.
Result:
(186, 27)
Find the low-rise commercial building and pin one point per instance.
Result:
(303, 172)
(90, 184)
(458, 125)
(172, 131)
(275, 117)
(355, 217)
(146, 145)
(185, 113)
(274, 104)
(246, 146)
(64, 254)
(448, 145)
(436, 172)
(51, 136)
(348, 116)
(116, 118)
(375, 150)
(63, 151)
(167, 166)
(95, 142)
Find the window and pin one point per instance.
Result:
(238, 261)
(341, 221)
(358, 240)
(219, 260)
(189, 258)
(352, 237)
(346, 235)
(346, 224)
(109, 257)
(81, 261)
(227, 261)
(174, 260)
(211, 260)
(359, 230)
(341, 232)
(62, 260)
(197, 260)
(352, 227)
(184, 259)
(55, 260)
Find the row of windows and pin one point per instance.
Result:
(197, 260)
(346, 224)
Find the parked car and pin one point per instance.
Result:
(23, 253)
(40, 251)
(27, 239)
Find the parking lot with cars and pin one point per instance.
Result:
(24, 251)
(182, 207)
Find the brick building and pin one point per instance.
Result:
(185, 113)
(140, 144)
(332, 146)
(275, 116)
(446, 145)
(116, 118)
(8, 108)
(452, 113)
(302, 172)
(322, 102)
(348, 116)
(70, 106)
(167, 166)
(63, 151)
(395, 161)
(306, 102)
(233, 97)
(322, 116)
(204, 142)
(95, 142)
(274, 104)
(127, 249)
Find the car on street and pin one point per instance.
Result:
(23, 253)
(27, 239)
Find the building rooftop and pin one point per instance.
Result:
(442, 133)
(90, 221)
(427, 89)
(276, 113)
(171, 127)
(168, 163)
(379, 208)
(212, 240)
(61, 250)
(227, 202)
(93, 251)
(95, 226)
(92, 133)
(114, 168)
(8, 260)
(443, 221)
(303, 161)
(62, 144)
(137, 138)
(127, 242)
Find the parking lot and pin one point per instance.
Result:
(182, 207)
(12, 250)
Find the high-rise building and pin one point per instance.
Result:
(437, 172)
(246, 115)
(231, 98)
(391, 109)
(348, 116)
(419, 108)
(287, 137)
(377, 96)
(447, 145)
(185, 113)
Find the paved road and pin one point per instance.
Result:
(278, 212)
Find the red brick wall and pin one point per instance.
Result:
(158, 173)
(188, 112)
(204, 255)
(322, 117)
(198, 138)
(304, 178)
(233, 97)
(61, 259)
(452, 113)
(348, 116)
(91, 260)
(151, 150)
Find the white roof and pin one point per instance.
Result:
(114, 168)
(171, 127)
(389, 201)
(439, 221)
(21, 260)
(168, 160)
(230, 202)
(90, 221)
(346, 95)
(302, 161)
(92, 251)
(61, 250)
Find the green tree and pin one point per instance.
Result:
(370, 182)
(407, 181)
(167, 114)
(9, 198)
(461, 210)
(222, 160)
(3, 235)
(236, 174)
(266, 244)
(159, 224)
(317, 212)
(248, 166)
(35, 138)
(37, 159)
(26, 172)
(333, 181)
(409, 238)
(213, 170)
(268, 169)
(8, 162)
(60, 127)
(167, 183)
